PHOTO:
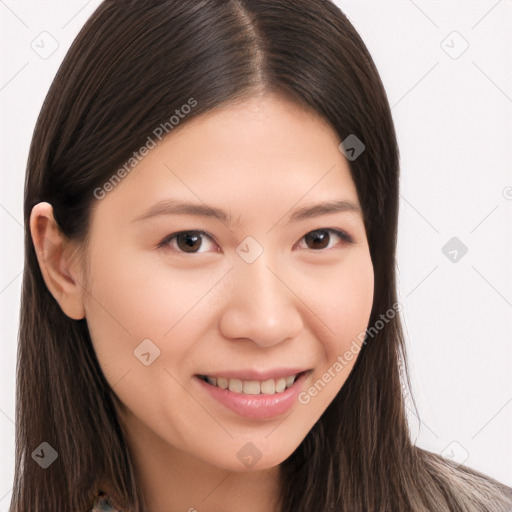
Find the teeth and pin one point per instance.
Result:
(280, 385)
(253, 387)
(222, 383)
(289, 380)
(268, 386)
(235, 385)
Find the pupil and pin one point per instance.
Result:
(188, 242)
(320, 239)
(191, 242)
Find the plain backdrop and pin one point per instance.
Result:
(447, 70)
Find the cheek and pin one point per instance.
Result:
(343, 311)
(347, 304)
(346, 310)
(125, 306)
(131, 301)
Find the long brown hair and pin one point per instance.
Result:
(131, 66)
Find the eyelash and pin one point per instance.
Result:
(165, 243)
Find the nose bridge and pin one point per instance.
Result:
(260, 306)
(260, 284)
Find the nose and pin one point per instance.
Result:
(261, 305)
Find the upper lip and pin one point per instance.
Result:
(252, 374)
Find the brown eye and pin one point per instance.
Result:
(318, 239)
(186, 242)
(321, 238)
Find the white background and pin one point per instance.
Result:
(454, 122)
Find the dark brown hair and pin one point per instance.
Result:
(131, 66)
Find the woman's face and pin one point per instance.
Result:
(261, 290)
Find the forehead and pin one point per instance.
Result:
(264, 147)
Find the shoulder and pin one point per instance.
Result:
(467, 486)
(507, 491)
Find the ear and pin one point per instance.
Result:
(60, 272)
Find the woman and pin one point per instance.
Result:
(209, 314)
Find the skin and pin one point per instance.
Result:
(294, 306)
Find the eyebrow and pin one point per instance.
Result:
(172, 207)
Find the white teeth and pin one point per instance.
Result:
(289, 380)
(222, 383)
(280, 385)
(268, 386)
(253, 387)
(235, 385)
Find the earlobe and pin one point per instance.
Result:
(54, 259)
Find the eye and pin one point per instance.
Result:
(185, 241)
(191, 241)
(320, 239)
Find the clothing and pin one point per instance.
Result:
(102, 504)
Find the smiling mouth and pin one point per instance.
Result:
(253, 387)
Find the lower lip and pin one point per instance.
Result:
(256, 406)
